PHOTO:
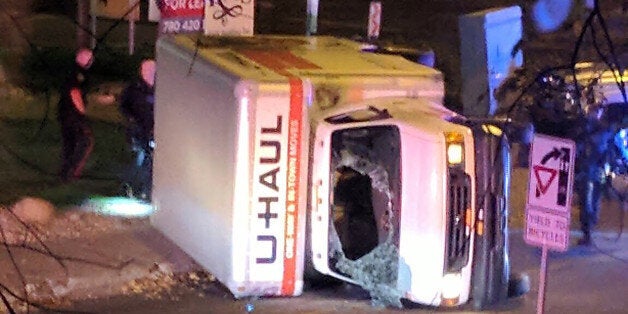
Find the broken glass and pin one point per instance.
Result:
(363, 229)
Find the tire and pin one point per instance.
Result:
(491, 266)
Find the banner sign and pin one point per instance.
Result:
(180, 16)
(229, 17)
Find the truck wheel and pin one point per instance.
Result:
(518, 285)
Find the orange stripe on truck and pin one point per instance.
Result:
(293, 61)
(292, 185)
(280, 61)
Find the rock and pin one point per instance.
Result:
(33, 210)
(162, 269)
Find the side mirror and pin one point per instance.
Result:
(518, 129)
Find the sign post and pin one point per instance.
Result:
(135, 15)
(548, 206)
(312, 17)
(129, 10)
(375, 20)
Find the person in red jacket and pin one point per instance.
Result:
(77, 135)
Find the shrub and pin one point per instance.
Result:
(114, 64)
(44, 69)
(67, 7)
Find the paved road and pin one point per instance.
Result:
(582, 280)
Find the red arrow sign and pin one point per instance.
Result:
(543, 186)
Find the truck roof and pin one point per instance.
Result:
(272, 57)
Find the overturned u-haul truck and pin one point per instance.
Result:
(280, 159)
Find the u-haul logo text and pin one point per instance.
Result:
(268, 206)
(268, 202)
(276, 182)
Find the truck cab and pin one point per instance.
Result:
(394, 171)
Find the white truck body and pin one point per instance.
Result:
(251, 134)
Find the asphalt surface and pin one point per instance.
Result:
(581, 280)
(140, 271)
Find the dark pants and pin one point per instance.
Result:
(589, 193)
(78, 142)
(139, 175)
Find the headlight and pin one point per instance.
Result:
(451, 289)
(455, 148)
(454, 154)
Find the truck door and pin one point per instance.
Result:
(355, 173)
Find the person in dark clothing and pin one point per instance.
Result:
(593, 146)
(77, 135)
(137, 101)
(136, 105)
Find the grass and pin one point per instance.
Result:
(30, 146)
(30, 139)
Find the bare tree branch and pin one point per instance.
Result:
(6, 303)
(31, 303)
(38, 247)
(16, 267)
(32, 232)
(118, 266)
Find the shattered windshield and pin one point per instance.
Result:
(364, 217)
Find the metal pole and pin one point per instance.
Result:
(93, 29)
(131, 16)
(312, 17)
(375, 21)
(131, 36)
(82, 20)
(540, 304)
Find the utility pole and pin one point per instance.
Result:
(312, 17)
(83, 37)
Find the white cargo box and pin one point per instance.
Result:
(233, 121)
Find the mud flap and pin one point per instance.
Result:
(491, 268)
